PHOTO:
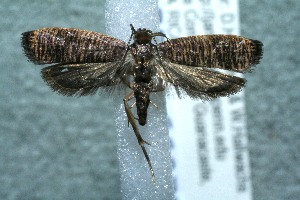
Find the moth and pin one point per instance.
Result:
(84, 61)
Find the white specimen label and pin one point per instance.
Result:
(208, 139)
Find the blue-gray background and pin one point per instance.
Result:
(56, 147)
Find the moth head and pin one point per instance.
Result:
(142, 36)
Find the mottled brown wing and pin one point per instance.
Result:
(198, 82)
(69, 45)
(227, 52)
(82, 79)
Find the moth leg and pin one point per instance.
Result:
(132, 105)
(131, 120)
(156, 106)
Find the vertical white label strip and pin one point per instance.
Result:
(208, 139)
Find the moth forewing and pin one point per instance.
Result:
(229, 52)
(69, 45)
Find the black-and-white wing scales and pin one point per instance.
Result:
(229, 52)
(70, 45)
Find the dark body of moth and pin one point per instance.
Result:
(86, 61)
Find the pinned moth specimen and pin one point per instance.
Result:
(85, 61)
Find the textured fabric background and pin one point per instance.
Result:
(56, 147)
(273, 98)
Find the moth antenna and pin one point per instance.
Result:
(132, 28)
